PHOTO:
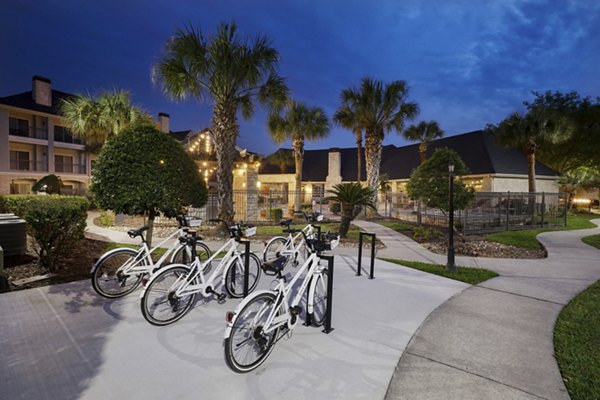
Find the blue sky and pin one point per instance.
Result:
(468, 63)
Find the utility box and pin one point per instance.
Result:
(13, 238)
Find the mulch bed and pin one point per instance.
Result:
(478, 247)
(75, 268)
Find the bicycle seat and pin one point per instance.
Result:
(137, 232)
(285, 222)
(190, 240)
(275, 266)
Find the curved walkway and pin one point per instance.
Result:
(493, 340)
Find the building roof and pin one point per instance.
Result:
(25, 100)
(478, 150)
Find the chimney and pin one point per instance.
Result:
(42, 90)
(334, 168)
(164, 122)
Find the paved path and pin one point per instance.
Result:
(65, 342)
(494, 340)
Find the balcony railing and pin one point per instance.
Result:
(36, 133)
(23, 165)
(69, 168)
(64, 136)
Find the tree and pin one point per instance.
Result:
(299, 122)
(582, 178)
(234, 74)
(352, 196)
(346, 116)
(429, 181)
(424, 133)
(144, 171)
(379, 109)
(282, 158)
(583, 147)
(97, 119)
(49, 184)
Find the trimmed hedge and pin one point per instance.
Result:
(56, 223)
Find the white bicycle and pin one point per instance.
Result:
(291, 246)
(266, 316)
(171, 292)
(119, 271)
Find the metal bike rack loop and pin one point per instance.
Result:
(360, 248)
(328, 327)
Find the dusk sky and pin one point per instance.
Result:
(467, 63)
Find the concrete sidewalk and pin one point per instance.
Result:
(494, 340)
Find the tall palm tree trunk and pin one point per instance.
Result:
(298, 144)
(347, 216)
(531, 171)
(359, 155)
(373, 161)
(422, 152)
(226, 129)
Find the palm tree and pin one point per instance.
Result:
(425, 132)
(234, 74)
(346, 117)
(527, 132)
(379, 109)
(282, 158)
(97, 119)
(299, 123)
(352, 196)
(582, 178)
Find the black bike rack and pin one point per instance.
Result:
(360, 248)
(246, 265)
(328, 327)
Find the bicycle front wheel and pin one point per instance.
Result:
(318, 297)
(111, 279)
(160, 305)
(234, 275)
(247, 345)
(183, 255)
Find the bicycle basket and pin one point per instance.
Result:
(193, 222)
(250, 231)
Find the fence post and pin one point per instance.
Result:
(508, 211)
(543, 207)
(270, 205)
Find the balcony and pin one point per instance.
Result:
(63, 135)
(69, 168)
(30, 132)
(25, 165)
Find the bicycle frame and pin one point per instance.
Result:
(283, 292)
(144, 253)
(291, 248)
(205, 286)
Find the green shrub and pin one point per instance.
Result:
(3, 205)
(276, 214)
(49, 184)
(56, 223)
(421, 232)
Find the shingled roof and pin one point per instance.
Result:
(478, 150)
(25, 100)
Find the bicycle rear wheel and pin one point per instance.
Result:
(109, 279)
(318, 297)
(234, 275)
(247, 345)
(160, 305)
(275, 248)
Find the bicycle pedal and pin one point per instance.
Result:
(221, 298)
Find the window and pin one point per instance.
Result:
(19, 160)
(18, 127)
(63, 164)
(63, 134)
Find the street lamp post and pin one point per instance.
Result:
(451, 266)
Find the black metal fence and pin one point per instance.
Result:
(488, 212)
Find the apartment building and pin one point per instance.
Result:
(34, 142)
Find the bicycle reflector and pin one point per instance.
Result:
(229, 316)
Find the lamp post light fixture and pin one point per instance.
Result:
(450, 265)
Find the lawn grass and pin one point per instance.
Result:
(577, 344)
(472, 276)
(593, 240)
(277, 230)
(527, 238)
(400, 227)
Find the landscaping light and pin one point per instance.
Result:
(582, 201)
